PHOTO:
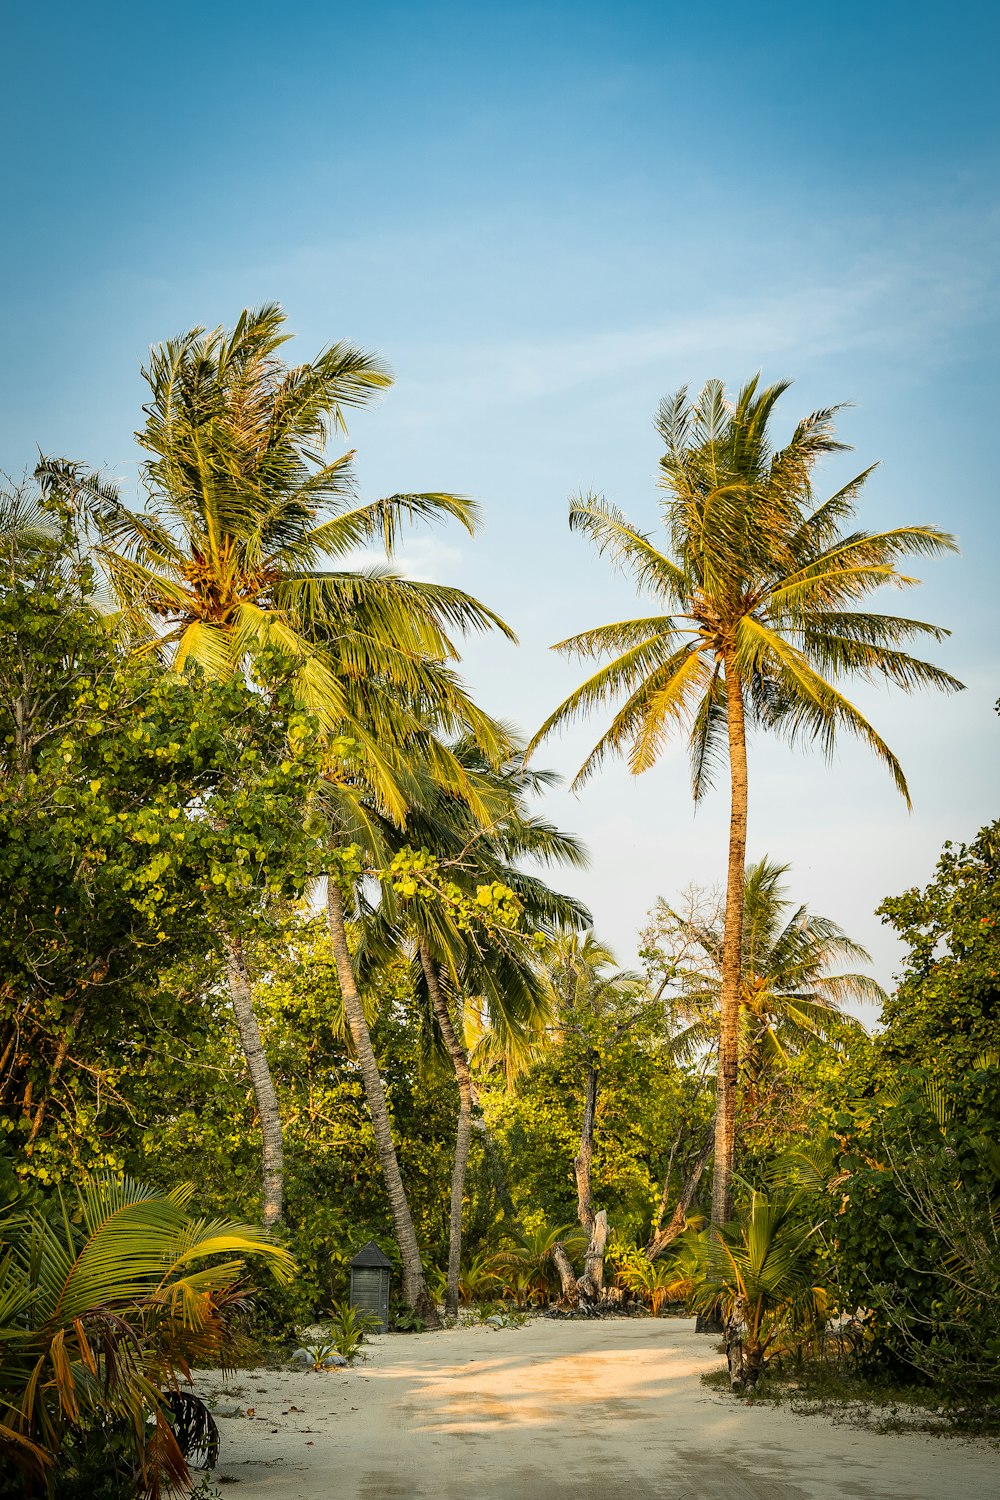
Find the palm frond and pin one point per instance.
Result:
(627, 547)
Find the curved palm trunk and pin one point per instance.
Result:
(414, 1283)
(732, 949)
(463, 1136)
(260, 1078)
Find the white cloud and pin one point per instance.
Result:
(420, 557)
(876, 304)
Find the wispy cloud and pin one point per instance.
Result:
(889, 306)
(420, 557)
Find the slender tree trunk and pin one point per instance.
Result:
(591, 1284)
(665, 1195)
(414, 1284)
(62, 1052)
(463, 1135)
(665, 1234)
(582, 1163)
(732, 951)
(736, 1345)
(260, 1078)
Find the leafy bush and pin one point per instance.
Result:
(918, 1241)
(348, 1327)
(525, 1271)
(405, 1320)
(478, 1278)
(672, 1278)
(104, 1306)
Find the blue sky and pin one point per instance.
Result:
(546, 217)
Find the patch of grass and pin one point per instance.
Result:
(819, 1387)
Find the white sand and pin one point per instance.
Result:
(560, 1411)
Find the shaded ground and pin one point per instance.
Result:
(559, 1411)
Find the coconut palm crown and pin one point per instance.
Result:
(760, 583)
(250, 538)
(788, 996)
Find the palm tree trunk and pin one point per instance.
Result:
(463, 1136)
(414, 1283)
(273, 1172)
(732, 953)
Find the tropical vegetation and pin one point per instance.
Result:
(283, 914)
(760, 581)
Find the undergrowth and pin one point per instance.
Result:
(876, 1403)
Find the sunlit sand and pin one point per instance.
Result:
(592, 1411)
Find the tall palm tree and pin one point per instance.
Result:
(761, 1270)
(366, 832)
(246, 550)
(249, 538)
(757, 585)
(788, 997)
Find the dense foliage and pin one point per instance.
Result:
(947, 1007)
(108, 1296)
(276, 919)
(918, 1235)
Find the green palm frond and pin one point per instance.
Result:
(106, 1304)
(707, 746)
(762, 579)
(228, 566)
(807, 704)
(788, 994)
(675, 688)
(209, 646)
(383, 519)
(642, 671)
(628, 547)
(24, 524)
(625, 635)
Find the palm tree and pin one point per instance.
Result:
(104, 1307)
(760, 1269)
(364, 833)
(248, 543)
(487, 974)
(525, 1268)
(759, 583)
(787, 996)
(245, 552)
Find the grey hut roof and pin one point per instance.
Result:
(371, 1255)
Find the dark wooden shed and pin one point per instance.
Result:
(370, 1272)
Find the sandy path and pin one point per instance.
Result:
(560, 1411)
